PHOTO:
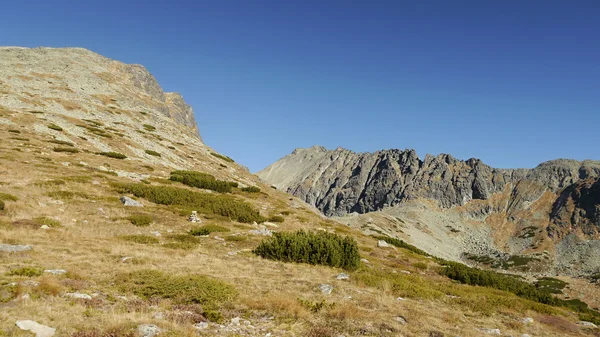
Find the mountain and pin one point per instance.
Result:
(117, 220)
(524, 211)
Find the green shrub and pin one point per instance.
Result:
(311, 247)
(8, 197)
(207, 229)
(184, 289)
(47, 221)
(213, 316)
(206, 203)
(236, 238)
(233, 184)
(111, 154)
(2, 205)
(220, 156)
(55, 127)
(26, 271)
(14, 131)
(286, 213)
(401, 244)
(153, 153)
(420, 265)
(67, 195)
(142, 239)
(201, 180)
(53, 182)
(315, 307)
(140, 219)
(61, 142)
(551, 285)
(149, 127)
(65, 149)
(276, 218)
(20, 138)
(251, 189)
(182, 241)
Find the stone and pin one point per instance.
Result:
(495, 332)
(158, 315)
(127, 201)
(79, 296)
(148, 330)
(400, 299)
(235, 321)
(401, 320)
(155, 233)
(587, 324)
(262, 231)
(14, 248)
(30, 283)
(45, 227)
(326, 288)
(364, 261)
(383, 244)
(55, 271)
(194, 217)
(527, 320)
(525, 335)
(38, 329)
(343, 276)
(201, 326)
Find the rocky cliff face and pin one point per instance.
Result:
(578, 207)
(76, 79)
(341, 181)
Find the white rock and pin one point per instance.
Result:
(45, 227)
(405, 271)
(235, 321)
(326, 288)
(55, 271)
(38, 329)
(201, 325)
(400, 320)
(400, 299)
(127, 201)
(155, 233)
(343, 276)
(587, 324)
(13, 248)
(364, 260)
(383, 244)
(495, 332)
(79, 296)
(527, 320)
(148, 330)
(125, 258)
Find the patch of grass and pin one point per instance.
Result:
(2, 205)
(220, 156)
(79, 179)
(251, 189)
(276, 218)
(183, 289)
(286, 213)
(201, 180)
(311, 247)
(420, 265)
(65, 149)
(314, 306)
(236, 238)
(61, 142)
(206, 203)
(153, 153)
(67, 195)
(8, 197)
(111, 154)
(148, 167)
(20, 138)
(141, 239)
(55, 127)
(47, 221)
(182, 241)
(140, 219)
(53, 182)
(207, 229)
(551, 285)
(401, 244)
(35, 112)
(149, 127)
(14, 131)
(26, 271)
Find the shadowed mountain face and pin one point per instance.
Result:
(339, 182)
(578, 206)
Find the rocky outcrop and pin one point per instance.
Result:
(577, 208)
(341, 181)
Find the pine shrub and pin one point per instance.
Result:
(251, 189)
(201, 180)
(220, 156)
(153, 153)
(207, 229)
(2, 205)
(140, 219)
(65, 149)
(311, 247)
(111, 154)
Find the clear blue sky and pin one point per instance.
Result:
(514, 83)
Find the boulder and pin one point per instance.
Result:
(148, 330)
(38, 329)
(127, 201)
(326, 288)
(14, 248)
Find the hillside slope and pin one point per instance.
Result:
(78, 260)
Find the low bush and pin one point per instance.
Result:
(251, 189)
(236, 238)
(149, 127)
(2, 205)
(206, 203)
(311, 247)
(182, 241)
(142, 239)
(182, 289)
(207, 229)
(276, 218)
(65, 149)
(14, 131)
(201, 180)
(286, 213)
(8, 197)
(26, 271)
(67, 195)
(153, 153)
(55, 127)
(140, 219)
(220, 156)
(61, 142)
(401, 244)
(111, 154)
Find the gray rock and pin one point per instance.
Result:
(490, 331)
(326, 288)
(148, 330)
(201, 326)
(587, 324)
(343, 276)
(55, 271)
(401, 320)
(78, 296)
(38, 329)
(262, 231)
(14, 248)
(527, 320)
(383, 244)
(45, 227)
(127, 201)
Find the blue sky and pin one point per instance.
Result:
(514, 83)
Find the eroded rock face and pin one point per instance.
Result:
(340, 181)
(577, 208)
